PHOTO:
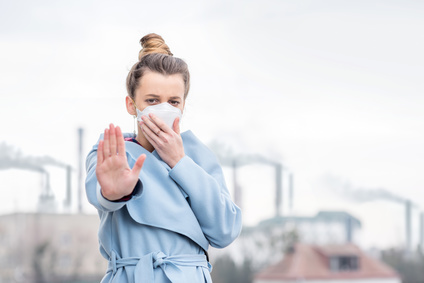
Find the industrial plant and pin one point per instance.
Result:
(58, 243)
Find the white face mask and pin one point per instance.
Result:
(164, 111)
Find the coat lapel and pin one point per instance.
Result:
(162, 204)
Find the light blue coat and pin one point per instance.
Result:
(160, 235)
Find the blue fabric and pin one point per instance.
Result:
(145, 265)
(177, 213)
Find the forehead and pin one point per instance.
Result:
(161, 85)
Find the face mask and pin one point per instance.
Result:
(164, 111)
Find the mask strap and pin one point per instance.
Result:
(135, 116)
(133, 102)
(135, 125)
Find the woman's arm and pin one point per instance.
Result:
(219, 218)
(109, 177)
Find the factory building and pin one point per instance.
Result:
(323, 228)
(43, 247)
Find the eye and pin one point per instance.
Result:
(174, 102)
(152, 100)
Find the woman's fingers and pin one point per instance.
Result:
(155, 124)
(149, 126)
(106, 148)
(138, 164)
(159, 124)
(100, 153)
(120, 141)
(112, 140)
(149, 135)
(113, 172)
(176, 125)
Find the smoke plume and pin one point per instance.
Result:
(360, 194)
(228, 156)
(13, 158)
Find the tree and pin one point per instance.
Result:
(226, 271)
(409, 266)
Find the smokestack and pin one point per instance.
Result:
(80, 168)
(408, 208)
(279, 188)
(422, 230)
(68, 200)
(291, 191)
(237, 189)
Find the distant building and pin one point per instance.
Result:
(40, 247)
(267, 242)
(331, 263)
(323, 228)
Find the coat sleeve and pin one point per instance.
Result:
(219, 218)
(93, 189)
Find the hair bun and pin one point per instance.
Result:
(153, 43)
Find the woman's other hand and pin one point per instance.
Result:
(115, 177)
(166, 141)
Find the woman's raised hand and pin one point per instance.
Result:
(167, 142)
(115, 177)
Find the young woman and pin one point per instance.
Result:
(160, 195)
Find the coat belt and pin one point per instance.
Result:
(169, 264)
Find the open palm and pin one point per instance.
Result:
(115, 177)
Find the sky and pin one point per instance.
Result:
(332, 90)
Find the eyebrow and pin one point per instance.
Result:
(158, 96)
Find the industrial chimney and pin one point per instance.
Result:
(291, 192)
(408, 210)
(278, 188)
(422, 231)
(68, 201)
(80, 167)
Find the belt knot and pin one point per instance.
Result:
(158, 259)
(145, 265)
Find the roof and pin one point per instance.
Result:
(339, 250)
(312, 262)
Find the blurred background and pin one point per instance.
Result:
(315, 109)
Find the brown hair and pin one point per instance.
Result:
(155, 56)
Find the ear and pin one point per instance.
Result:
(130, 106)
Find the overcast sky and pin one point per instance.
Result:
(332, 89)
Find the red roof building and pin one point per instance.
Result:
(332, 263)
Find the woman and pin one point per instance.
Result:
(161, 195)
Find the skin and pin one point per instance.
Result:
(113, 173)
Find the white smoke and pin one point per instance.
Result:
(346, 189)
(11, 157)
